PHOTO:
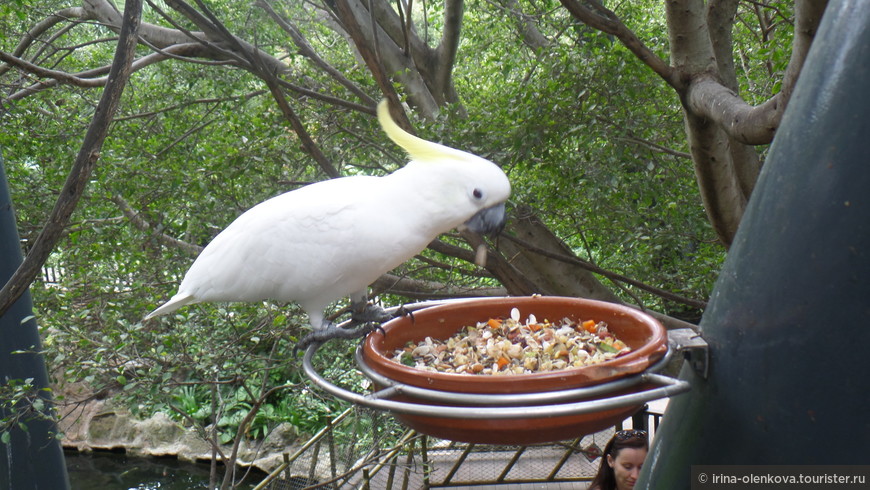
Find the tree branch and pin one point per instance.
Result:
(43, 26)
(418, 289)
(531, 35)
(514, 281)
(350, 13)
(643, 142)
(400, 29)
(714, 98)
(595, 15)
(388, 34)
(212, 100)
(664, 294)
(59, 76)
(214, 32)
(84, 164)
(707, 97)
(143, 225)
(88, 79)
(261, 66)
(720, 23)
(808, 16)
(693, 57)
(445, 54)
(306, 50)
(108, 15)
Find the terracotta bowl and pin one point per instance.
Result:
(645, 335)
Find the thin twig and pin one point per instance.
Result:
(609, 274)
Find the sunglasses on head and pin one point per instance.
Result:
(624, 435)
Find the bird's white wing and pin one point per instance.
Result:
(313, 246)
(280, 248)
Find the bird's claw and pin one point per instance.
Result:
(402, 311)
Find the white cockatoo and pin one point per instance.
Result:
(322, 242)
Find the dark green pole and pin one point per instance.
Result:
(32, 457)
(788, 324)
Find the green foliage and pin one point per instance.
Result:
(20, 404)
(763, 40)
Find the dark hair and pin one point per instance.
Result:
(605, 479)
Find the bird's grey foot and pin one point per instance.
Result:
(373, 313)
(369, 313)
(334, 332)
(363, 321)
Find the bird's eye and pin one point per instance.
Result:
(477, 193)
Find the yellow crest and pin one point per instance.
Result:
(418, 148)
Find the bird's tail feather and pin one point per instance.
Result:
(173, 304)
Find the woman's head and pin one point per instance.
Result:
(622, 459)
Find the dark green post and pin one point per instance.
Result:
(788, 325)
(32, 458)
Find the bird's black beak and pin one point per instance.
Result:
(489, 221)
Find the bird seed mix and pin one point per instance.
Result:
(508, 346)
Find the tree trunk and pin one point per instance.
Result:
(720, 126)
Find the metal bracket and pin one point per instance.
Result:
(695, 349)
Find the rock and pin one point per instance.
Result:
(95, 424)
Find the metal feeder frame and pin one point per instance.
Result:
(573, 401)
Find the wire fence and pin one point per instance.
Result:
(366, 449)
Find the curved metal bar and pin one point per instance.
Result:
(668, 387)
(517, 399)
(498, 406)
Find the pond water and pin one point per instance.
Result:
(117, 471)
